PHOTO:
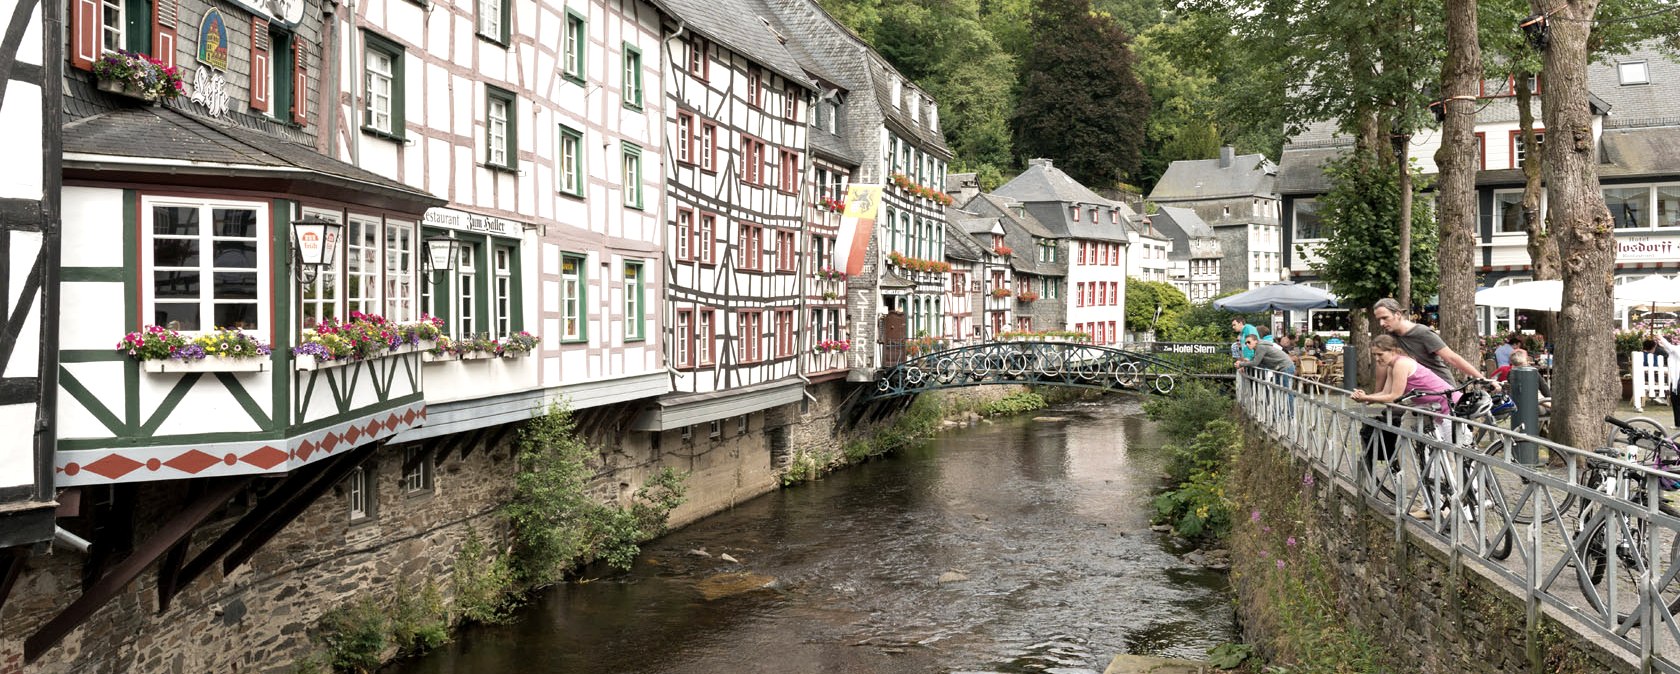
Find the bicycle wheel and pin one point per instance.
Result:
(1485, 511)
(1644, 448)
(1632, 538)
(1520, 492)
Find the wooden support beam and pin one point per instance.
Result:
(108, 585)
(12, 561)
(169, 569)
(273, 525)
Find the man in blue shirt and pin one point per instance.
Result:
(1243, 330)
(1502, 355)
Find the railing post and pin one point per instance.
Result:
(1525, 391)
(1350, 367)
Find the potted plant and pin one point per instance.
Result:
(161, 349)
(1001, 293)
(137, 76)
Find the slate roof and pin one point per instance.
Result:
(163, 133)
(831, 146)
(959, 245)
(1192, 237)
(1047, 191)
(1004, 208)
(741, 26)
(1248, 175)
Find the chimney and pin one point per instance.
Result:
(962, 186)
(1227, 156)
(1040, 162)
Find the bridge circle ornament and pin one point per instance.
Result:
(1164, 383)
(1129, 375)
(1049, 363)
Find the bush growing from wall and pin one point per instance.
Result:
(1202, 443)
(557, 524)
(484, 582)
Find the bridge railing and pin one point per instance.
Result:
(1543, 530)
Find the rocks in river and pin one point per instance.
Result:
(982, 517)
(725, 557)
(1049, 419)
(701, 552)
(729, 584)
(951, 577)
(1161, 528)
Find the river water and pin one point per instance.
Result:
(1016, 546)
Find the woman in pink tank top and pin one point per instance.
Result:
(1404, 374)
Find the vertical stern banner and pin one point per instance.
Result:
(857, 224)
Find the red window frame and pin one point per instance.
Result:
(1076, 214)
(755, 88)
(685, 234)
(1113, 332)
(708, 147)
(752, 161)
(705, 233)
(748, 337)
(698, 64)
(1114, 291)
(786, 249)
(709, 333)
(785, 333)
(1481, 149)
(685, 337)
(686, 142)
(790, 105)
(790, 172)
(751, 247)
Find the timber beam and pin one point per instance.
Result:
(103, 590)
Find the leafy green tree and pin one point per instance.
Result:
(1360, 256)
(1143, 298)
(1183, 122)
(1080, 102)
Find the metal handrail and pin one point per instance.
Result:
(1322, 425)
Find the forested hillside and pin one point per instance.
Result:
(1113, 90)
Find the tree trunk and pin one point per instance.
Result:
(1542, 248)
(1403, 164)
(1585, 362)
(1461, 75)
(1359, 335)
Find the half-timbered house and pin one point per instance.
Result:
(965, 304)
(992, 283)
(894, 128)
(30, 68)
(736, 105)
(545, 132)
(828, 345)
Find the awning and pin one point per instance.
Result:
(687, 409)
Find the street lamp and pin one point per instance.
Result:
(314, 244)
(441, 254)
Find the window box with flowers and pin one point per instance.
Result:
(833, 346)
(918, 264)
(904, 182)
(1002, 292)
(520, 344)
(137, 76)
(832, 205)
(163, 350)
(332, 343)
(1026, 296)
(831, 274)
(1005, 251)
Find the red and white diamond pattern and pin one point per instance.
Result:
(142, 464)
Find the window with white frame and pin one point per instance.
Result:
(501, 289)
(1507, 212)
(574, 46)
(400, 246)
(1629, 206)
(1308, 223)
(466, 292)
(571, 161)
(708, 146)
(493, 20)
(358, 487)
(499, 128)
(1632, 72)
(685, 138)
(361, 265)
(632, 77)
(705, 336)
(634, 322)
(382, 81)
(207, 264)
(685, 233)
(417, 472)
(706, 239)
(684, 346)
(632, 176)
(572, 298)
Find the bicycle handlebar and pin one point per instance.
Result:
(1631, 431)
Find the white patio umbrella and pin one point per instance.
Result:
(1650, 292)
(1532, 295)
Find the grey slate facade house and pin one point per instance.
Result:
(1636, 103)
(1039, 261)
(1237, 196)
(1092, 237)
(1196, 252)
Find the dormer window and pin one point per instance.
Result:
(1114, 216)
(916, 109)
(1076, 214)
(997, 241)
(933, 116)
(897, 92)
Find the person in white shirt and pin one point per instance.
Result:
(1670, 343)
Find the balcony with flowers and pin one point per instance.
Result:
(920, 270)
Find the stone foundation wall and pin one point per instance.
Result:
(257, 618)
(1425, 611)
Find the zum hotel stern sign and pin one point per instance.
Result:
(209, 86)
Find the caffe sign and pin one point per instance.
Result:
(462, 221)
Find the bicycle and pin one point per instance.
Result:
(1598, 524)
(1443, 493)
